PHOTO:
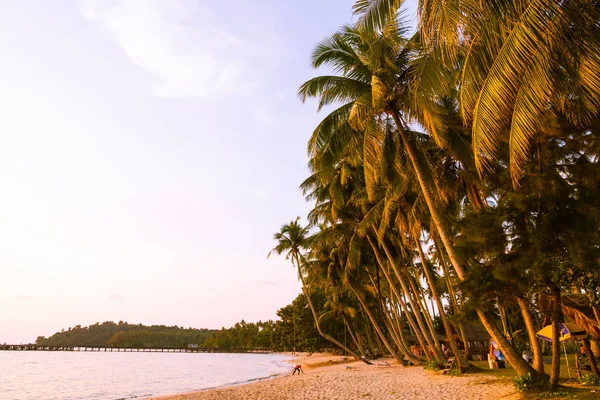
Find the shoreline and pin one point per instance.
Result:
(290, 361)
(294, 358)
(329, 377)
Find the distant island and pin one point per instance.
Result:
(295, 329)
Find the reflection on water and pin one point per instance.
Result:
(109, 376)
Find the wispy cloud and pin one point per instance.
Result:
(178, 42)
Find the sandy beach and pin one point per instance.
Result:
(328, 377)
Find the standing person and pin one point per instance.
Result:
(444, 350)
(297, 368)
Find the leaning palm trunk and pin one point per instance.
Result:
(555, 317)
(357, 343)
(398, 295)
(424, 330)
(419, 297)
(397, 329)
(536, 347)
(387, 321)
(591, 356)
(462, 362)
(318, 325)
(397, 341)
(452, 296)
(517, 362)
(375, 324)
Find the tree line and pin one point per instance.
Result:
(455, 175)
(123, 334)
(294, 330)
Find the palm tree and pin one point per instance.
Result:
(516, 58)
(290, 240)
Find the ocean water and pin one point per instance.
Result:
(39, 375)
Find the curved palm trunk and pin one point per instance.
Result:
(420, 299)
(354, 339)
(441, 359)
(375, 324)
(318, 325)
(536, 347)
(452, 295)
(397, 328)
(396, 339)
(387, 320)
(555, 372)
(462, 362)
(591, 356)
(396, 292)
(517, 362)
(412, 357)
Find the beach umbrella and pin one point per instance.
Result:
(567, 331)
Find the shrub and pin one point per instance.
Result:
(432, 366)
(590, 379)
(523, 383)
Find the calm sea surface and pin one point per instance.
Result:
(40, 375)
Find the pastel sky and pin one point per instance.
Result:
(149, 150)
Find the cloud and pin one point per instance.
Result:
(180, 43)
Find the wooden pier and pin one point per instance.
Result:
(34, 347)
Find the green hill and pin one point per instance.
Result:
(123, 334)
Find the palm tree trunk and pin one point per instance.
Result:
(396, 292)
(369, 334)
(462, 362)
(358, 345)
(555, 317)
(399, 343)
(414, 359)
(424, 330)
(397, 328)
(591, 356)
(536, 347)
(452, 295)
(419, 297)
(374, 323)
(318, 325)
(517, 362)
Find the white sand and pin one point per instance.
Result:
(322, 381)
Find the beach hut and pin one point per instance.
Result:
(478, 340)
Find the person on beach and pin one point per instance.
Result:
(297, 368)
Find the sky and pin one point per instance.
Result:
(149, 150)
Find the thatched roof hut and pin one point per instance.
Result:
(577, 308)
(475, 332)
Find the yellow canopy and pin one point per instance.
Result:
(567, 331)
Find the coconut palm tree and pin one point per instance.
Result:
(521, 62)
(290, 240)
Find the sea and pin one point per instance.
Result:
(38, 375)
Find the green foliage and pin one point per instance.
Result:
(590, 379)
(526, 383)
(123, 334)
(432, 366)
(549, 395)
(523, 383)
